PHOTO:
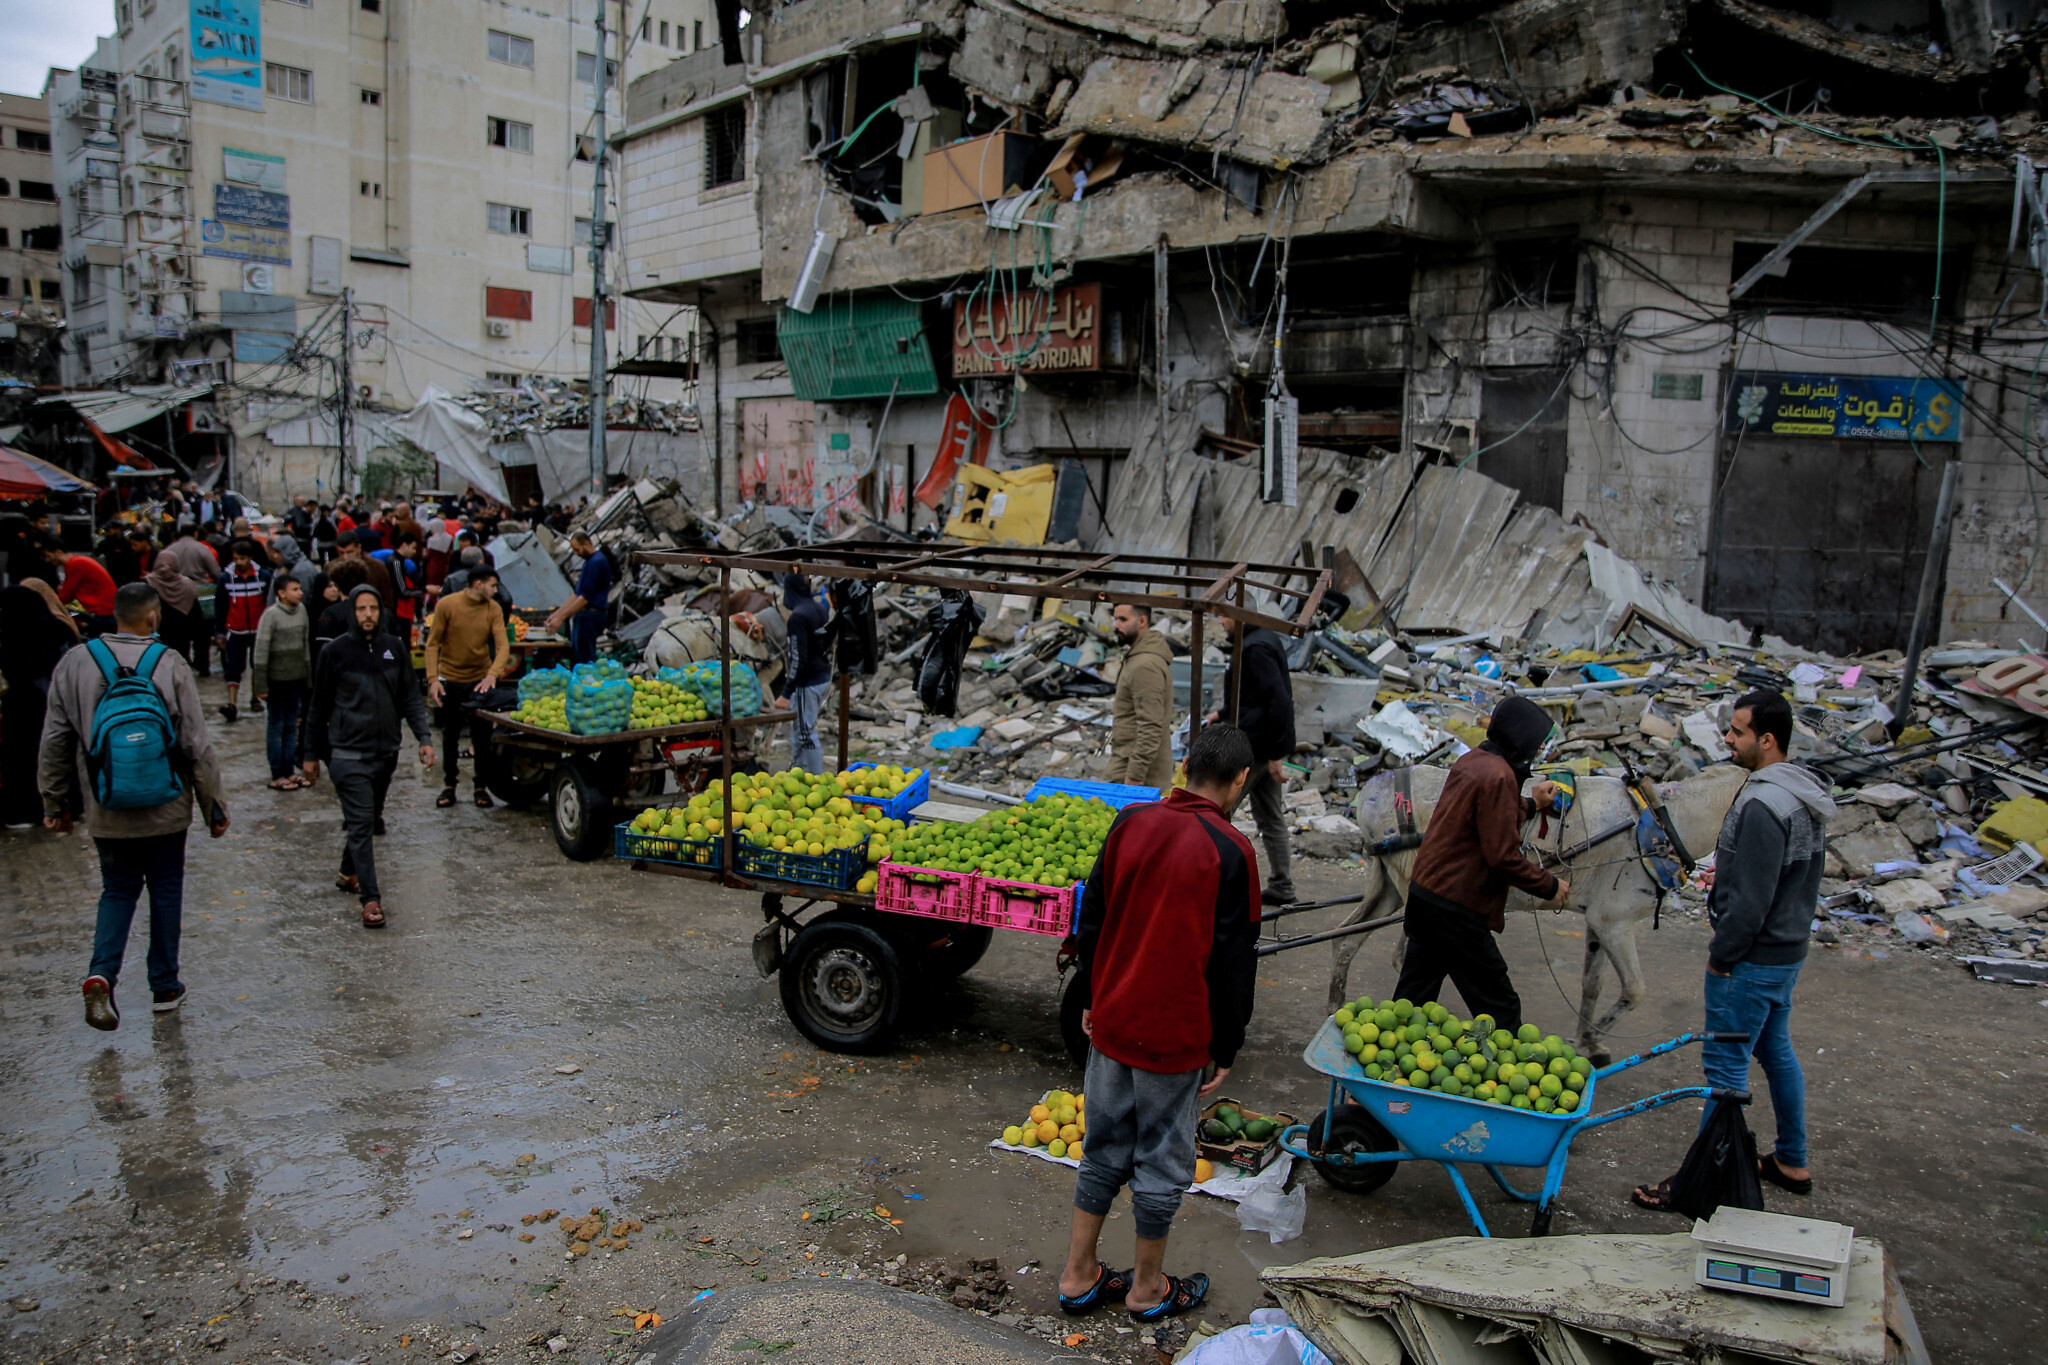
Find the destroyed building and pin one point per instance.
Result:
(1717, 289)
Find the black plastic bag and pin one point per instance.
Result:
(853, 621)
(1721, 1168)
(953, 621)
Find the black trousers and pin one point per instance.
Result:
(1449, 940)
(451, 719)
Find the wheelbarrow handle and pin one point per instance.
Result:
(1726, 1037)
(1732, 1096)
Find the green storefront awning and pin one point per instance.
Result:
(856, 348)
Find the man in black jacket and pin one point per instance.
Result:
(807, 677)
(1265, 712)
(362, 688)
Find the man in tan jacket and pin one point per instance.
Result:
(1141, 742)
(467, 652)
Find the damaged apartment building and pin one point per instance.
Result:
(1723, 287)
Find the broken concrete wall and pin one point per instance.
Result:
(1182, 26)
(799, 30)
(1018, 59)
(682, 82)
(1560, 52)
(1270, 119)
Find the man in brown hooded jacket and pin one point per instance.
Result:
(1141, 741)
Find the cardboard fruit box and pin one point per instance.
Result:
(1248, 1156)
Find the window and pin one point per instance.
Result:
(646, 28)
(664, 32)
(516, 304)
(514, 222)
(611, 313)
(511, 49)
(4, 191)
(50, 291)
(756, 341)
(39, 189)
(725, 146)
(1821, 278)
(30, 140)
(288, 82)
(373, 6)
(698, 43)
(47, 238)
(586, 148)
(6, 286)
(1536, 271)
(371, 189)
(513, 136)
(3, 236)
(501, 379)
(370, 96)
(586, 69)
(582, 232)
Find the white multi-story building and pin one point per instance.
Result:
(237, 173)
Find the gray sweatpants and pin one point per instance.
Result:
(1141, 1133)
(361, 782)
(804, 749)
(1269, 813)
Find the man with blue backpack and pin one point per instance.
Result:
(125, 745)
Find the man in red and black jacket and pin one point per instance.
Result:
(237, 610)
(1471, 855)
(1167, 934)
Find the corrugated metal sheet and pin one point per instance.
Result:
(119, 409)
(857, 348)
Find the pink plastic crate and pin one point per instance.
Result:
(1026, 907)
(905, 890)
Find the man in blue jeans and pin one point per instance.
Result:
(808, 675)
(138, 847)
(589, 607)
(1762, 893)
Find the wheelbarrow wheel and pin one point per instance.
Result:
(842, 985)
(580, 815)
(1352, 1130)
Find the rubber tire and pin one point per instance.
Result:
(1073, 1000)
(858, 965)
(579, 815)
(967, 945)
(1353, 1130)
(518, 779)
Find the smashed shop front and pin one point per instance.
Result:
(1845, 406)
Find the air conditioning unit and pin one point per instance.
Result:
(497, 327)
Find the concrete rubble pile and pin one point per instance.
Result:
(541, 403)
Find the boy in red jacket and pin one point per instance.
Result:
(1168, 928)
(237, 611)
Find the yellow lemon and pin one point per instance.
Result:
(1048, 1130)
(1013, 1135)
(1070, 1132)
(1074, 1150)
(1204, 1170)
(1056, 1147)
(1039, 1113)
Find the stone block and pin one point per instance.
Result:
(1861, 851)
(1907, 893)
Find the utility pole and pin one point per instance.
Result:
(600, 233)
(342, 423)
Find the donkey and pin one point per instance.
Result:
(1611, 885)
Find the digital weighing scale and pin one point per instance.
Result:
(1752, 1252)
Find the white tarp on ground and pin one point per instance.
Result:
(455, 436)
(1563, 1300)
(561, 458)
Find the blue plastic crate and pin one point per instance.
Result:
(1112, 794)
(898, 807)
(628, 842)
(837, 868)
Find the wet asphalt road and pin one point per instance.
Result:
(292, 1162)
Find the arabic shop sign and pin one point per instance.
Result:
(1863, 407)
(227, 53)
(1062, 333)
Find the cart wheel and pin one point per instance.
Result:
(1541, 1227)
(581, 815)
(961, 950)
(842, 986)
(517, 777)
(1352, 1130)
(1072, 1002)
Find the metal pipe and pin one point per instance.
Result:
(1930, 583)
(600, 232)
(1195, 678)
(1281, 946)
(725, 730)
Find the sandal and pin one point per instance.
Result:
(1110, 1286)
(1768, 1168)
(1657, 1198)
(483, 798)
(373, 915)
(284, 784)
(1182, 1295)
(347, 882)
(446, 798)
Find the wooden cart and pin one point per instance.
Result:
(847, 970)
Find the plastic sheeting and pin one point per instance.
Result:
(561, 458)
(455, 436)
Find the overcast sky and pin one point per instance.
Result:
(46, 33)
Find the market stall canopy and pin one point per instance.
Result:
(24, 476)
(115, 410)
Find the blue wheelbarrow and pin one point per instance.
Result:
(1354, 1145)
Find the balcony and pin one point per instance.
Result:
(155, 92)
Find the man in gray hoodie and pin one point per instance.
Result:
(1761, 897)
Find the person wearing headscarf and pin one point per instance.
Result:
(183, 625)
(1471, 855)
(37, 631)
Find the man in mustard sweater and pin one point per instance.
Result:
(466, 652)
